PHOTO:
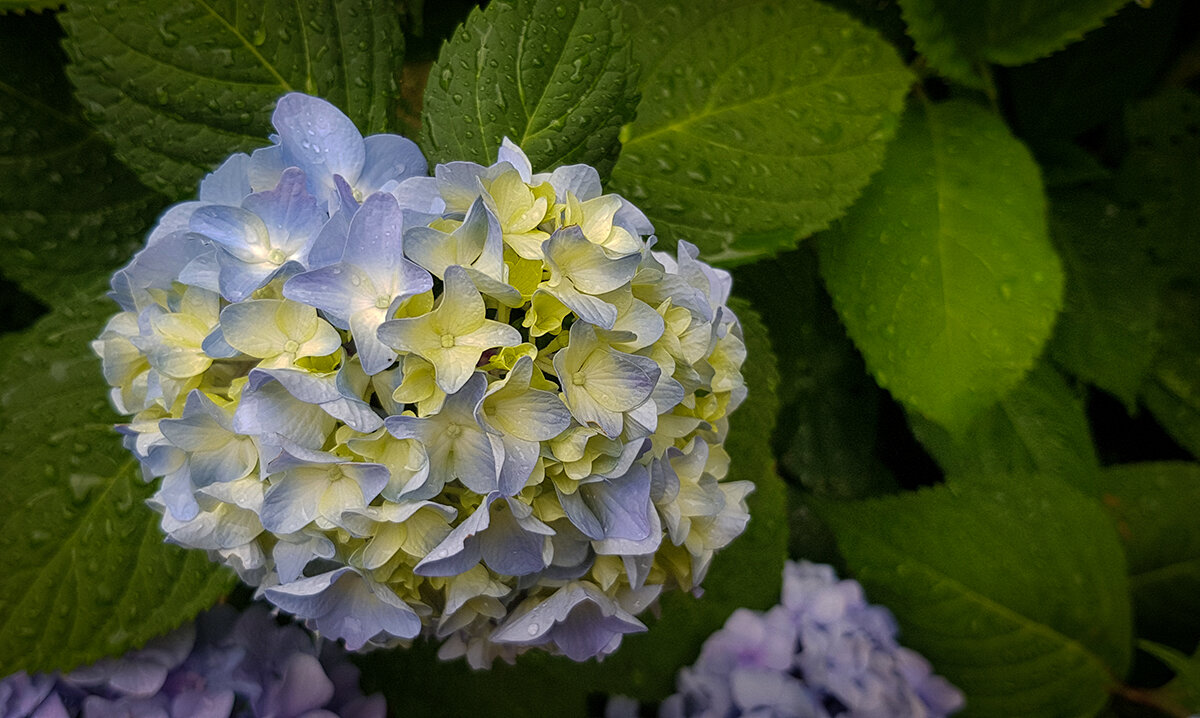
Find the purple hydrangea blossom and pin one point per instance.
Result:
(823, 652)
(224, 665)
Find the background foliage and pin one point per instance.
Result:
(969, 228)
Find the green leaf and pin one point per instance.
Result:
(177, 86)
(1154, 506)
(958, 37)
(1060, 95)
(747, 573)
(826, 434)
(69, 212)
(1014, 588)
(1172, 391)
(1107, 334)
(759, 125)
(1039, 427)
(87, 572)
(1161, 176)
(555, 78)
(1066, 165)
(1185, 688)
(20, 7)
(943, 272)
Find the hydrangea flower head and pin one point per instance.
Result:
(474, 405)
(224, 665)
(823, 652)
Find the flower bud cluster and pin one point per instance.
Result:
(822, 652)
(475, 405)
(224, 664)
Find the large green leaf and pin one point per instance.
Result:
(69, 212)
(178, 85)
(943, 272)
(1038, 427)
(1107, 334)
(746, 573)
(555, 78)
(958, 37)
(87, 573)
(826, 434)
(1014, 588)
(1155, 509)
(760, 124)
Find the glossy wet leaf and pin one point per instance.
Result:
(1014, 588)
(764, 136)
(178, 86)
(943, 272)
(555, 78)
(87, 572)
(69, 212)
(1038, 427)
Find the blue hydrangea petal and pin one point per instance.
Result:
(458, 185)
(303, 687)
(765, 692)
(630, 547)
(583, 181)
(584, 264)
(457, 445)
(335, 290)
(330, 242)
(207, 704)
(511, 406)
(512, 546)
(579, 619)
(512, 154)
(266, 164)
(344, 604)
(22, 694)
(420, 196)
(239, 231)
(266, 407)
(176, 493)
(320, 139)
(229, 183)
(460, 550)
(520, 458)
(295, 551)
(292, 216)
(612, 508)
(389, 158)
(323, 390)
(158, 265)
(293, 500)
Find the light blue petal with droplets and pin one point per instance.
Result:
(320, 139)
